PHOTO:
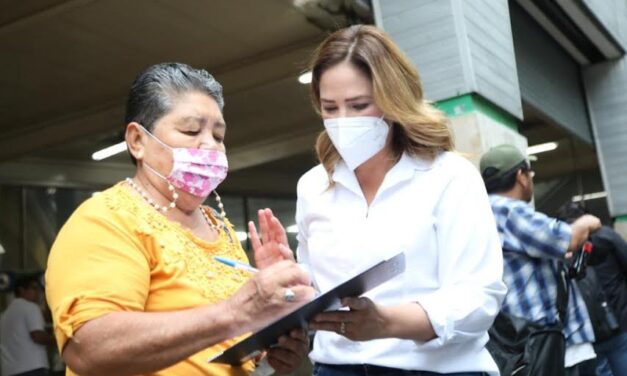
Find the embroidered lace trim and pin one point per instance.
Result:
(181, 249)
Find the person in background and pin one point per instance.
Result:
(533, 245)
(132, 280)
(389, 182)
(607, 281)
(23, 338)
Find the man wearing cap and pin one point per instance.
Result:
(533, 245)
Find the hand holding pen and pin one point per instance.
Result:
(273, 292)
(288, 295)
(270, 293)
(243, 266)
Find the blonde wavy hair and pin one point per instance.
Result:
(418, 128)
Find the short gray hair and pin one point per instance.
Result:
(154, 90)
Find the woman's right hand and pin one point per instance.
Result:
(272, 245)
(266, 297)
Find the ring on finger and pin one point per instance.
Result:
(342, 327)
(289, 295)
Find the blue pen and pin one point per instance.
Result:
(236, 264)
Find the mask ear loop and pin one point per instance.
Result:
(382, 118)
(154, 137)
(171, 188)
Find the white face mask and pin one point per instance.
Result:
(357, 139)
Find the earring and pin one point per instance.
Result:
(220, 205)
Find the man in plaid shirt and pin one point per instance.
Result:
(533, 244)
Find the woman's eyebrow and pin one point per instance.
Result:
(192, 119)
(219, 124)
(351, 99)
(357, 98)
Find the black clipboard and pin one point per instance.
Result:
(356, 286)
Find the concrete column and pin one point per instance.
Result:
(605, 88)
(478, 125)
(620, 225)
(465, 55)
(605, 85)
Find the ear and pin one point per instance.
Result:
(135, 140)
(521, 178)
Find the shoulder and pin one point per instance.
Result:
(113, 209)
(104, 203)
(454, 164)
(451, 170)
(314, 181)
(25, 305)
(605, 237)
(607, 232)
(507, 206)
(504, 201)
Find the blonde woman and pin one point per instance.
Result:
(388, 182)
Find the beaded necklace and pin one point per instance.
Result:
(164, 208)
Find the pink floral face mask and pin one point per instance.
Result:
(195, 171)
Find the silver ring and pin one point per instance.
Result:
(289, 295)
(342, 327)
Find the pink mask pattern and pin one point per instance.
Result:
(195, 171)
(198, 171)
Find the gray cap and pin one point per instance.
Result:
(499, 160)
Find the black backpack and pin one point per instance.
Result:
(523, 348)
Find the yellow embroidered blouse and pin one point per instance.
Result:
(117, 253)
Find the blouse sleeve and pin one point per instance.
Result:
(471, 265)
(97, 265)
(302, 250)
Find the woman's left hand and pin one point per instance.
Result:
(287, 356)
(364, 321)
(272, 246)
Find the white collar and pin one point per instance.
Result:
(403, 170)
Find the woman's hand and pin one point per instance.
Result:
(271, 293)
(364, 321)
(289, 353)
(272, 246)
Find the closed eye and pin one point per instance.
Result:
(360, 106)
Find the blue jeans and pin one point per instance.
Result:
(603, 367)
(615, 351)
(371, 370)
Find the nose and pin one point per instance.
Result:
(207, 140)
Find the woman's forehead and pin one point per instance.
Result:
(346, 81)
(195, 109)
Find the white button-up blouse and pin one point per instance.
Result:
(437, 212)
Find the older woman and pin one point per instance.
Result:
(132, 281)
(388, 182)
